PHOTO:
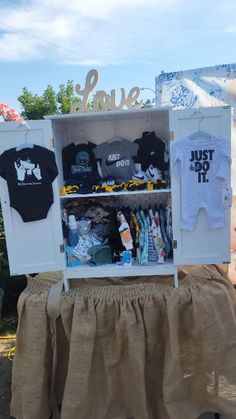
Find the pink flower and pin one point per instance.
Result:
(12, 115)
(3, 108)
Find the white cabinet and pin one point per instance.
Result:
(38, 246)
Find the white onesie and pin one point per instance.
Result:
(203, 165)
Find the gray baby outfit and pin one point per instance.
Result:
(204, 165)
(117, 158)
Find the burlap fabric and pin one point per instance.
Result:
(131, 348)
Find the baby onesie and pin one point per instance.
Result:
(29, 173)
(116, 158)
(202, 164)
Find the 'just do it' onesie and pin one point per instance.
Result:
(202, 164)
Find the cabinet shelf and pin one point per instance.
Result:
(110, 194)
(167, 268)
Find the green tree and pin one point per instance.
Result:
(35, 106)
(50, 102)
(148, 103)
(66, 96)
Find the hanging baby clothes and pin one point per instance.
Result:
(125, 233)
(169, 231)
(152, 253)
(29, 173)
(167, 246)
(204, 164)
(116, 158)
(156, 236)
(136, 228)
(160, 238)
(79, 164)
(144, 255)
(141, 237)
(152, 151)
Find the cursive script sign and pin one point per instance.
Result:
(103, 101)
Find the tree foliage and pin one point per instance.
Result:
(65, 97)
(35, 106)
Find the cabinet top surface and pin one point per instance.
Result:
(125, 113)
(109, 114)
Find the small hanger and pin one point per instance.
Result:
(199, 133)
(80, 133)
(82, 141)
(115, 137)
(111, 140)
(150, 123)
(25, 144)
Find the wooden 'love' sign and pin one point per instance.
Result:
(103, 101)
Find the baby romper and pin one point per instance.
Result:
(29, 173)
(202, 164)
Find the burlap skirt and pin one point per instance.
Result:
(135, 349)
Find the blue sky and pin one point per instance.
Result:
(127, 41)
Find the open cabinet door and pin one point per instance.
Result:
(32, 246)
(202, 245)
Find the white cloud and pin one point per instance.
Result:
(15, 47)
(100, 32)
(230, 29)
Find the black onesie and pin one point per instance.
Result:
(151, 151)
(29, 173)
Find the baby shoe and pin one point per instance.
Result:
(138, 173)
(153, 173)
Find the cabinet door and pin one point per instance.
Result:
(201, 245)
(32, 246)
